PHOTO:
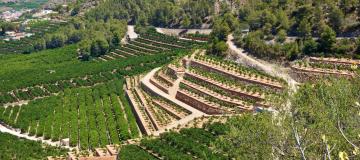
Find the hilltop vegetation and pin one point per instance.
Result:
(96, 37)
(271, 22)
(162, 13)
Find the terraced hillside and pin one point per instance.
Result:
(153, 112)
(314, 67)
(150, 43)
(215, 86)
(196, 86)
(49, 79)
(87, 107)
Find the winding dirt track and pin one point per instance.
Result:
(272, 69)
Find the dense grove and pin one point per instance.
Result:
(17, 148)
(164, 13)
(96, 37)
(272, 22)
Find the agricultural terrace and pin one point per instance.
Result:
(91, 117)
(314, 67)
(179, 145)
(217, 86)
(149, 43)
(196, 36)
(154, 113)
(26, 44)
(83, 102)
(38, 75)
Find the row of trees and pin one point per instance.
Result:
(133, 152)
(85, 115)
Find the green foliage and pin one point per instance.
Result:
(310, 19)
(310, 46)
(281, 36)
(304, 29)
(249, 137)
(186, 144)
(336, 19)
(327, 39)
(19, 5)
(17, 148)
(133, 152)
(33, 43)
(33, 69)
(218, 49)
(99, 47)
(8, 26)
(95, 37)
(322, 111)
(85, 115)
(321, 122)
(164, 13)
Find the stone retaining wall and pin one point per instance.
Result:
(137, 116)
(194, 63)
(193, 102)
(159, 86)
(232, 92)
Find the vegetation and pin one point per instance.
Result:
(133, 152)
(92, 117)
(320, 123)
(17, 148)
(163, 13)
(51, 66)
(85, 101)
(24, 4)
(253, 136)
(26, 44)
(181, 145)
(271, 22)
